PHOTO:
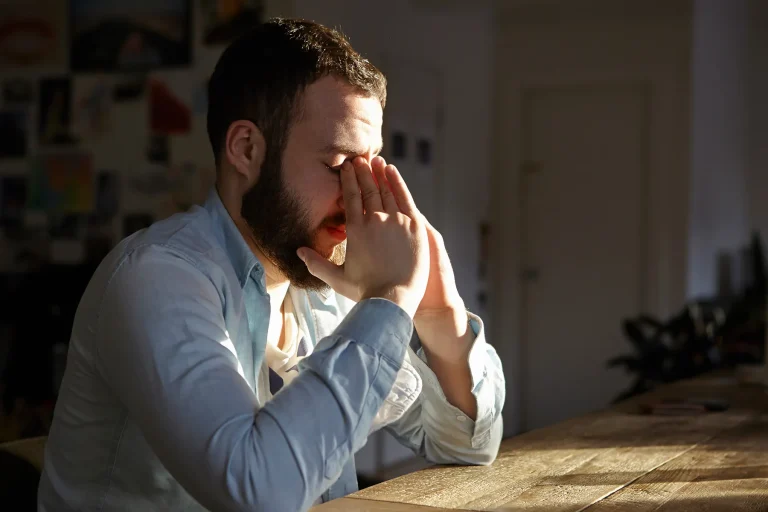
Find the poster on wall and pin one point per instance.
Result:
(13, 127)
(92, 103)
(63, 182)
(13, 200)
(137, 35)
(168, 114)
(225, 20)
(32, 34)
(54, 113)
(18, 91)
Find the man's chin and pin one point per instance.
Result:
(298, 274)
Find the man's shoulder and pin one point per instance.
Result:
(188, 236)
(191, 232)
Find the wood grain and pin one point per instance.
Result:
(358, 505)
(730, 472)
(612, 460)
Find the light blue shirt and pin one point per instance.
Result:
(163, 405)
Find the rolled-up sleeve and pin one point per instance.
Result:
(166, 354)
(441, 432)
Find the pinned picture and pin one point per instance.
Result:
(55, 111)
(200, 99)
(63, 183)
(424, 151)
(32, 34)
(168, 114)
(92, 106)
(399, 146)
(225, 20)
(129, 88)
(138, 35)
(107, 195)
(13, 127)
(18, 91)
(157, 149)
(70, 225)
(13, 200)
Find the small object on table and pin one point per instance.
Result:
(683, 406)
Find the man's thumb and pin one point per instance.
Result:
(319, 267)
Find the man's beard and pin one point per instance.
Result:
(280, 225)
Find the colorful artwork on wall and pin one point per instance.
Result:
(225, 20)
(63, 182)
(55, 111)
(92, 107)
(169, 115)
(137, 35)
(32, 34)
(13, 200)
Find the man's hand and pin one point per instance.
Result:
(393, 252)
(387, 246)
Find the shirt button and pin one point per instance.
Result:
(461, 418)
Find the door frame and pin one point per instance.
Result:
(664, 68)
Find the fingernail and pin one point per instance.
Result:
(300, 254)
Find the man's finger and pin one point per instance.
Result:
(401, 192)
(368, 188)
(330, 273)
(350, 190)
(387, 197)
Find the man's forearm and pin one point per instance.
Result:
(447, 339)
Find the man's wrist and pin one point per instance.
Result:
(450, 322)
(445, 335)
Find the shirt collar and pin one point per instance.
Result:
(240, 255)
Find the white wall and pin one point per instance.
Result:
(757, 132)
(729, 178)
(719, 208)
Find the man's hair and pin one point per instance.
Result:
(262, 75)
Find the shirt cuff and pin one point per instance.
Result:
(376, 322)
(479, 430)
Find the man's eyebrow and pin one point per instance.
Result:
(348, 151)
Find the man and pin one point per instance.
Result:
(236, 356)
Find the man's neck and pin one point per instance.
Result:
(277, 283)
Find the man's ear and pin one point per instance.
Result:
(244, 149)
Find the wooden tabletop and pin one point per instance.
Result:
(614, 460)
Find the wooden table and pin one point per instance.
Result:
(614, 460)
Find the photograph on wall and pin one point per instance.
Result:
(13, 200)
(13, 130)
(64, 182)
(200, 98)
(225, 20)
(138, 35)
(158, 149)
(18, 91)
(92, 107)
(55, 111)
(168, 113)
(129, 88)
(107, 195)
(32, 34)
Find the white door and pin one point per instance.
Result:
(584, 211)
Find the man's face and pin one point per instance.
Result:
(297, 201)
